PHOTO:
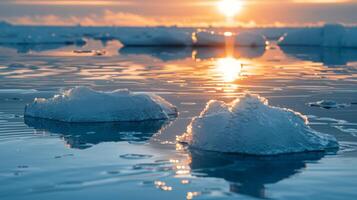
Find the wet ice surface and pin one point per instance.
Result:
(54, 160)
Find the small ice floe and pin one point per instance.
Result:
(249, 125)
(328, 104)
(244, 39)
(330, 35)
(82, 104)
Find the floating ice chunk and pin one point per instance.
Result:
(244, 39)
(327, 104)
(82, 104)
(302, 37)
(156, 37)
(350, 39)
(208, 38)
(250, 40)
(330, 35)
(333, 35)
(249, 125)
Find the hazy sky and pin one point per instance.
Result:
(176, 12)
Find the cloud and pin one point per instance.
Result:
(108, 18)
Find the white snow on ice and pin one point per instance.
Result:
(82, 104)
(249, 125)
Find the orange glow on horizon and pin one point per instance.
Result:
(230, 8)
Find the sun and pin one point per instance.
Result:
(230, 8)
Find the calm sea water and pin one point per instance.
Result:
(41, 159)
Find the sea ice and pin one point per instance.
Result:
(249, 125)
(327, 104)
(244, 39)
(82, 104)
(160, 36)
(208, 38)
(250, 40)
(330, 35)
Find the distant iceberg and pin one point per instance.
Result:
(330, 35)
(208, 38)
(248, 39)
(243, 39)
(249, 125)
(159, 36)
(82, 104)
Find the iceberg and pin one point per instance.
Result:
(247, 39)
(156, 37)
(208, 38)
(82, 104)
(243, 39)
(249, 125)
(330, 35)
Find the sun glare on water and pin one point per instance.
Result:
(230, 8)
(229, 68)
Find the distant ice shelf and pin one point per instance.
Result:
(249, 125)
(243, 39)
(82, 104)
(330, 35)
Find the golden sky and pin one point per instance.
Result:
(177, 12)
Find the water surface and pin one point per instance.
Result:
(43, 159)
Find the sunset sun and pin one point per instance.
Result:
(230, 8)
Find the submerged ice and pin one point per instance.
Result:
(249, 125)
(82, 104)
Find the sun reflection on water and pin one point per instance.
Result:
(228, 68)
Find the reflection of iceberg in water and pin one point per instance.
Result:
(202, 53)
(248, 175)
(327, 56)
(162, 53)
(84, 135)
(239, 52)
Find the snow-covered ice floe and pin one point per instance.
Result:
(82, 104)
(328, 104)
(243, 39)
(330, 35)
(249, 125)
